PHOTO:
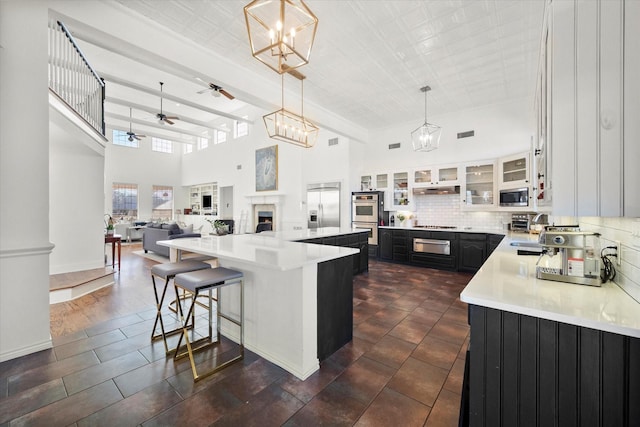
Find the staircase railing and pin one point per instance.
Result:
(73, 79)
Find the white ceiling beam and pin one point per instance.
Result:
(166, 128)
(113, 125)
(147, 109)
(165, 95)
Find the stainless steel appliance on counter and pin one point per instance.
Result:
(367, 212)
(521, 221)
(323, 205)
(569, 255)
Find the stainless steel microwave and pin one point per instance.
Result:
(515, 197)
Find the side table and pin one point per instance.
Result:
(114, 239)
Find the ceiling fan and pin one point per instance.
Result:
(133, 135)
(216, 91)
(163, 118)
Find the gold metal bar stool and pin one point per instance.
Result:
(206, 280)
(168, 271)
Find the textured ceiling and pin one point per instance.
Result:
(371, 57)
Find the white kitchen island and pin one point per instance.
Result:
(285, 284)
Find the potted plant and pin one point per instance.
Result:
(219, 227)
(109, 224)
(401, 217)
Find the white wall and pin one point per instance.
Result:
(499, 130)
(24, 179)
(143, 167)
(297, 167)
(76, 180)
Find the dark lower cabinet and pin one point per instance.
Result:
(386, 244)
(472, 251)
(335, 305)
(358, 241)
(528, 371)
(468, 250)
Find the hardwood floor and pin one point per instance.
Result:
(404, 366)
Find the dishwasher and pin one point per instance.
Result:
(432, 246)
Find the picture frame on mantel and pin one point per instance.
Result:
(267, 168)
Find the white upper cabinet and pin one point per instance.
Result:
(401, 196)
(514, 171)
(595, 108)
(436, 176)
(479, 187)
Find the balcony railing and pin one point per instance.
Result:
(73, 79)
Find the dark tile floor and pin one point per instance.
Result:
(404, 367)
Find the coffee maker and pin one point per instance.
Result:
(569, 255)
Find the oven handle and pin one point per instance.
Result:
(432, 242)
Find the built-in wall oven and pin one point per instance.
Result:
(367, 212)
(365, 207)
(371, 227)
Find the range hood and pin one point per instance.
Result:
(420, 191)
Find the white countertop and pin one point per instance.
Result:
(260, 249)
(507, 282)
(295, 235)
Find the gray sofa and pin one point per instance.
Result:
(155, 232)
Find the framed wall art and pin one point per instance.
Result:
(267, 168)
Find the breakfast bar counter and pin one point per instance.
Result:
(549, 352)
(298, 297)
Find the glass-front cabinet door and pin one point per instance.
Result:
(382, 181)
(515, 171)
(366, 183)
(478, 188)
(447, 175)
(422, 177)
(400, 190)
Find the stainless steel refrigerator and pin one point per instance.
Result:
(323, 205)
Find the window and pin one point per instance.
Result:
(221, 136)
(203, 143)
(162, 202)
(120, 137)
(124, 200)
(187, 148)
(161, 145)
(240, 128)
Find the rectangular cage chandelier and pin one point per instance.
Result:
(285, 125)
(281, 32)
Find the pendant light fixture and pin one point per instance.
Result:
(427, 136)
(281, 32)
(287, 126)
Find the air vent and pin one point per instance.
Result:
(394, 146)
(466, 134)
(333, 141)
(239, 167)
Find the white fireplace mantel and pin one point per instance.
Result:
(265, 198)
(261, 199)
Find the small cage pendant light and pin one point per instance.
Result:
(427, 136)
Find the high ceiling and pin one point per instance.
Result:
(370, 57)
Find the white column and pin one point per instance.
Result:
(24, 179)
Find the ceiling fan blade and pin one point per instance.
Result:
(136, 137)
(166, 119)
(200, 92)
(141, 136)
(172, 117)
(227, 94)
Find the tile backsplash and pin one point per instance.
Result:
(446, 210)
(612, 230)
